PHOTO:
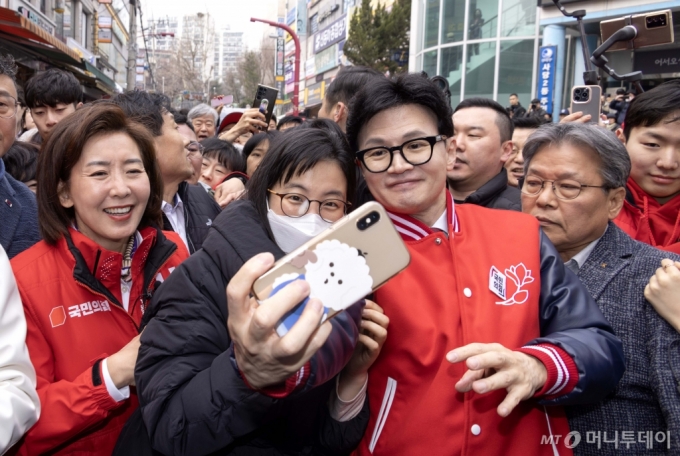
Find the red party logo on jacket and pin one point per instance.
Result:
(58, 316)
(520, 276)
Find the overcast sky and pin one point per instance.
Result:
(235, 13)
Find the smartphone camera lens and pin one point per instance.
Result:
(656, 21)
(582, 94)
(368, 221)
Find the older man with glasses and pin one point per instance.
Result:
(575, 186)
(485, 331)
(18, 208)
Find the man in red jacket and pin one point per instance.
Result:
(651, 133)
(480, 326)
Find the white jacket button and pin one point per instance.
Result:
(467, 292)
(475, 429)
(438, 241)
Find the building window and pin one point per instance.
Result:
(84, 28)
(431, 23)
(43, 6)
(480, 69)
(516, 69)
(451, 67)
(519, 18)
(454, 21)
(314, 23)
(430, 63)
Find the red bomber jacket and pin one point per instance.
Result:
(475, 286)
(71, 293)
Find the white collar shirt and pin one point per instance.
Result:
(175, 214)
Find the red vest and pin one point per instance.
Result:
(442, 301)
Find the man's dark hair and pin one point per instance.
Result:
(295, 152)
(144, 108)
(52, 87)
(514, 95)
(380, 94)
(503, 120)
(8, 66)
(527, 122)
(289, 119)
(21, 161)
(348, 82)
(225, 153)
(621, 91)
(274, 117)
(181, 119)
(652, 107)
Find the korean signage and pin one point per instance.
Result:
(326, 59)
(546, 76)
(310, 68)
(105, 36)
(330, 35)
(314, 93)
(279, 69)
(105, 21)
(657, 62)
(36, 18)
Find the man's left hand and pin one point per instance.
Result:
(492, 367)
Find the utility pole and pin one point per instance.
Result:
(132, 48)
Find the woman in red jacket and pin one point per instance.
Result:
(86, 285)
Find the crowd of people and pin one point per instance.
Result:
(539, 314)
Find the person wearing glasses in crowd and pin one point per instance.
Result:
(18, 207)
(493, 336)
(575, 186)
(212, 373)
(204, 119)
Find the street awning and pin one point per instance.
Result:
(17, 28)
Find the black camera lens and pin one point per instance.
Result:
(656, 21)
(368, 221)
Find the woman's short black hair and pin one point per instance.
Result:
(21, 161)
(225, 153)
(654, 106)
(380, 94)
(295, 152)
(255, 141)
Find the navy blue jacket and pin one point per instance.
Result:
(18, 215)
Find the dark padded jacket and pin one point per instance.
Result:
(192, 397)
(200, 210)
(496, 194)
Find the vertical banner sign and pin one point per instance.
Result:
(280, 46)
(546, 76)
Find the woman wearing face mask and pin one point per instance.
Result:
(85, 287)
(197, 394)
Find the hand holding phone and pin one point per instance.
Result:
(345, 263)
(262, 356)
(586, 99)
(265, 100)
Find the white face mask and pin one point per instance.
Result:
(290, 233)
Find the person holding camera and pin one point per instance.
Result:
(515, 109)
(621, 103)
(535, 110)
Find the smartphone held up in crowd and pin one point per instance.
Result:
(345, 263)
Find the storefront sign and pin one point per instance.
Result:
(314, 93)
(657, 62)
(105, 36)
(280, 46)
(326, 59)
(546, 76)
(332, 34)
(36, 18)
(310, 68)
(105, 21)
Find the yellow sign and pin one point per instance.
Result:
(279, 78)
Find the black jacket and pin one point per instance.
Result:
(192, 397)
(200, 210)
(517, 111)
(496, 194)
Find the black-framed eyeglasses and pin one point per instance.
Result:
(296, 205)
(8, 106)
(194, 147)
(415, 152)
(564, 189)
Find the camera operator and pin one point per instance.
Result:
(535, 110)
(621, 103)
(515, 109)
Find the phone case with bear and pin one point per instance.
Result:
(344, 264)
